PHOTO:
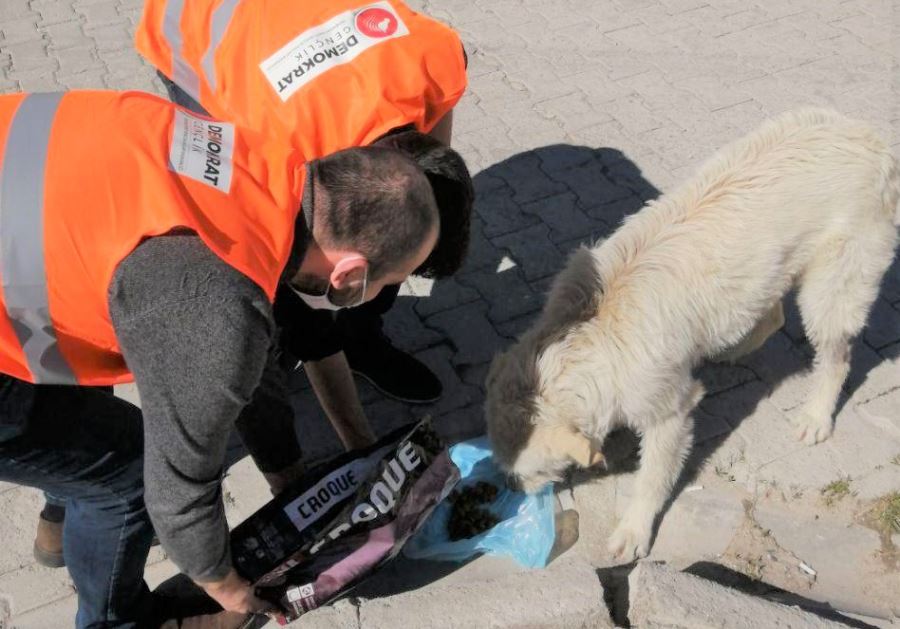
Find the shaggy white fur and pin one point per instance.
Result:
(809, 200)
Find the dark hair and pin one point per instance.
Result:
(453, 192)
(374, 200)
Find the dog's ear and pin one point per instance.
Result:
(576, 446)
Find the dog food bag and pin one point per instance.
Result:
(525, 526)
(343, 520)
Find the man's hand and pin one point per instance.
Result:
(235, 594)
(359, 440)
(353, 440)
(279, 480)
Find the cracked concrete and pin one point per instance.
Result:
(578, 112)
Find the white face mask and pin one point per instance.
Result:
(324, 302)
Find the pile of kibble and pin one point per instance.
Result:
(428, 439)
(468, 517)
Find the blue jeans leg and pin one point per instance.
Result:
(85, 446)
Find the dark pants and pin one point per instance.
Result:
(85, 447)
(364, 322)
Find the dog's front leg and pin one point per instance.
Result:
(664, 446)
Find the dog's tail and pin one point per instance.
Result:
(890, 186)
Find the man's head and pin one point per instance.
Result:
(453, 192)
(374, 222)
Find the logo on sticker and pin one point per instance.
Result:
(202, 150)
(307, 590)
(376, 22)
(330, 44)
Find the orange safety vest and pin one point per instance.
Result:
(323, 74)
(84, 177)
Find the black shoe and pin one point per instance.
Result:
(393, 372)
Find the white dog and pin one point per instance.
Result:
(806, 201)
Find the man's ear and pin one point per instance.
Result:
(349, 269)
(576, 446)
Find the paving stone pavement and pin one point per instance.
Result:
(579, 111)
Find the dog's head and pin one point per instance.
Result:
(535, 439)
(550, 451)
(534, 442)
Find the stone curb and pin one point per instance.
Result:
(662, 597)
(567, 595)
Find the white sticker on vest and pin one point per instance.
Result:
(337, 41)
(202, 150)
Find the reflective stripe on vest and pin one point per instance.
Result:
(22, 263)
(182, 73)
(221, 18)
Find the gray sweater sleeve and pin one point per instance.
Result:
(197, 336)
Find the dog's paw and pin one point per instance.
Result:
(631, 541)
(812, 429)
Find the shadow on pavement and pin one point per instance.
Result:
(616, 592)
(741, 582)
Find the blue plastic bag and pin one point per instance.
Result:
(526, 530)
